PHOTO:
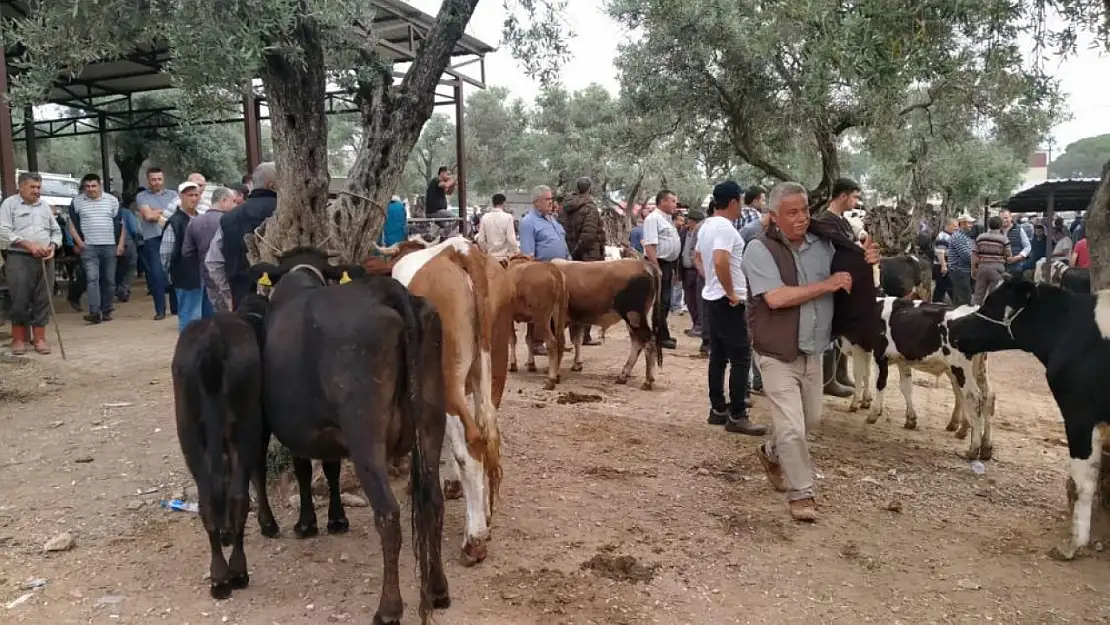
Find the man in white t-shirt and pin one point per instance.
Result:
(662, 246)
(719, 250)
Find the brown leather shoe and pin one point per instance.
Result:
(804, 510)
(19, 340)
(39, 340)
(773, 470)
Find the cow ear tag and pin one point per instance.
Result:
(344, 279)
(265, 280)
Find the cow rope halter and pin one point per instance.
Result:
(1006, 321)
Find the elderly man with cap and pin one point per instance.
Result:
(691, 280)
(183, 271)
(720, 250)
(960, 247)
(28, 226)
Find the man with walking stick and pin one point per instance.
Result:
(28, 226)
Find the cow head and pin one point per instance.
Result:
(1002, 322)
(311, 259)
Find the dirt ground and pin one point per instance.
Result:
(616, 509)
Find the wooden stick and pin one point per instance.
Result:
(53, 313)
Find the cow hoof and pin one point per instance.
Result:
(305, 531)
(910, 425)
(549, 385)
(269, 530)
(865, 404)
(961, 434)
(386, 620)
(473, 552)
(622, 380)
(452, 489)
(1064, 553)
(986, 452)
(558, 378)
(853, 407)
(576, 367)
(512, 368)
(338, 526)
(240, 581)
(646, 386)
(951, 427)
(220, 591)
(441, 602)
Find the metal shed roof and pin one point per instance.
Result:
(1068, 194)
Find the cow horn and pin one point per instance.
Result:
(385, 251)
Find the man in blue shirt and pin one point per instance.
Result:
(960, 246)
(395, 229)
(541, 235)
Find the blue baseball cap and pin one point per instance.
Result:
(725, 192)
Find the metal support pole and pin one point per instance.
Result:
(32, 143)
(460, 153)
(105, 162)
(7, 144)
(253, 130)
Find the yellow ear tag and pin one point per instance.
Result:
(344, 279)
(265, 280)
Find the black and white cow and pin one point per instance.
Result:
(914, 335)
(1058, 273)
(1070, 334)
(906, 276)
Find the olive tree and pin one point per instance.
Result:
(296, 48)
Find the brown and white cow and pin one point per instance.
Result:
(537, 294)
(603, 293)
(461, 283)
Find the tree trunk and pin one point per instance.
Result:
(1098, 232)
(392, 119)
(129, 166)
(830, 169)
(295, 94)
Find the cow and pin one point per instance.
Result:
(907, 276)
(353, 370)
(1070, 334)
(467, 288)
(915, 335)
(217, 392)
(603, 293)
(1057, 273)
(538, 296)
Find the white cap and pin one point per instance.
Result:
(966, 217)
(185, 186)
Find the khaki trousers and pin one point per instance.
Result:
(794, 390)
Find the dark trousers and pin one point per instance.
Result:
(729, 346)
(942, 285)
(961, 286)
(155, 277)
(77, 284)
(703, 305)
(30, 289)
(692, 294)
(99, 262)
(666, 286)
(125, 270)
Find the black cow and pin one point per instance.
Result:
(355, 370)
(906, 277)
(1068, 333)
(217, 389)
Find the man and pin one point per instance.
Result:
(960, 246)
(845, 197)
(198, 239)
(721, 249)
(199, 180)
(1080, 254)
(28, 226)
(585, 235)
(154, 209)
(690, 276)
(678, 296)
(541, 235)
(127, 261)
(496, 231)
(435, 198)
(396, 227)
(790, 292)
(636, 234)
(753, 206)
(1020, 247)
(184, 273)
(99, 237)
(941, 280)
(662, 247)
(227, 261)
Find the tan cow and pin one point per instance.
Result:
(603, 293)
(462, 284)
(537, 293)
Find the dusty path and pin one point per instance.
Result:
(628, 509)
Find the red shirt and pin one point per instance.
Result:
(1082, 256)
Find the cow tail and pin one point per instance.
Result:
(562, 311)
(658, 315)
(213, 358)
(474, 263)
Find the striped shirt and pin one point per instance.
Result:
(97, 218)
(959, 251)
(991, 248)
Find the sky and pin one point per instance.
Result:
(1082, 77)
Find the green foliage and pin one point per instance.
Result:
(1082, 159)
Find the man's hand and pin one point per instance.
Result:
(839, 280)
(944, 270)
(78, 246)
(121, 249)
(870, 251)
(33, 248)
(734, 299)
(48, 252)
